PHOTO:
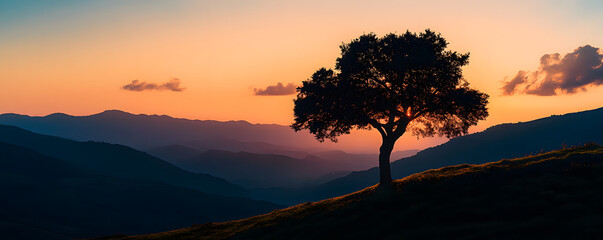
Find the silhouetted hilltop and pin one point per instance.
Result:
(114, 160)
(503, 141)
(551, 195)
(48, 198)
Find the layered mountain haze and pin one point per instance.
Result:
(254, 170)
(251, 155)
(232, 145)
(502, 141)
(62, 189)
(336, 159)
(358, 162)
(311, 176)
(50, 198)
(116, 161)
(553, 195)
(183, 143)
(145, 132)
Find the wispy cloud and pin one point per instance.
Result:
(138, 86)
(556, 75)
(275, 90)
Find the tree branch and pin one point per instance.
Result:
(378, 126)
(418, 114)
(400, 128)
(389, 126)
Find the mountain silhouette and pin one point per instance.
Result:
(145, 132)
(357, 162)
(252, 170)
(502, 141)
(232, 145)
(179, 140)
(48, 198)
(554, 195)
(118, 161)
(508, 140)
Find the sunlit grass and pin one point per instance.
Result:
(468, 169)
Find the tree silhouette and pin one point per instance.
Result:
(393, 84)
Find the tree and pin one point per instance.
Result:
(393, 84)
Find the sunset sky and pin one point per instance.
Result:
(208, 59)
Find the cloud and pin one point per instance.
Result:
(509, 87)
(278, 89)
(556, 75)
(138, 86)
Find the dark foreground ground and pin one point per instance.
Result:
(554, 195)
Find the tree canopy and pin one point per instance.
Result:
(391, 83)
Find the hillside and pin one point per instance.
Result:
(503, 141)
(117, 161)
(550, 195)
(47, 198)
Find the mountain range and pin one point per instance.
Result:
(265, 155)
(256, 170)
(498, 142)
(63, 188)
(50, 198)
(553, 195)
(115, 160)
(145, 132)
(251, 170)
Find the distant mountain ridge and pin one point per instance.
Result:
(268, 170)
(116, 161)
(170, 135)
(144, 132)
(150, 131)
(49, 198)
(251, 170)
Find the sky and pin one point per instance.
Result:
(239, 60)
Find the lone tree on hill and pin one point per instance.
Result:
(393, 84)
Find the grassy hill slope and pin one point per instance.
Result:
(550, 195)
(502, 141)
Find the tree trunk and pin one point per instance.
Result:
(385, 151)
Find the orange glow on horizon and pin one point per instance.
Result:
(76, 60)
